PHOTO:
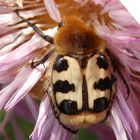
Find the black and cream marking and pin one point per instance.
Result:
(79, 88)
(100, 104)
(61, 65)
(98, 77)
(63, 86)
(67, 84)
(102, 62)
(103, 84)
(68, 107)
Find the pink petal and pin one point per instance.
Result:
(4, 9)
(125, 114)
(7, 92)
(52, 10)
(55, 133)
(23, 111)
(43, 112)
(34, 76)
(22, 54)
(117, 126)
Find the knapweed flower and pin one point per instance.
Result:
(20, 46)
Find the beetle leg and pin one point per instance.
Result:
(69, 129)
(43, 60)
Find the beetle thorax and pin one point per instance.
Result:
(75, 37)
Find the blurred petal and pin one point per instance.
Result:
(23, 110)
(32, 105)
(103, 131)
(20, 3)
(17, 132)
(53, 10)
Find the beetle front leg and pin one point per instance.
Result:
(43, 60)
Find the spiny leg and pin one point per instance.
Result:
(36, 29)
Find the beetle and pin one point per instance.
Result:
(83, 82)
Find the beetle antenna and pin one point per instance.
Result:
(36, 29)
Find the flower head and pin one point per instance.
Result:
(19, 46)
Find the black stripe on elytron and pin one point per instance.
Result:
(100, 104)
(68, 107)
(102, 62)
(103, 84)
(60, 64)
(63, 86)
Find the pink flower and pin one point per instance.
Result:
(19, 46)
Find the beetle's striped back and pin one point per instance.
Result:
(83, 86)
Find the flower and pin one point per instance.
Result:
(19, 46)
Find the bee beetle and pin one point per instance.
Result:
(82, 77)
(82, 83)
